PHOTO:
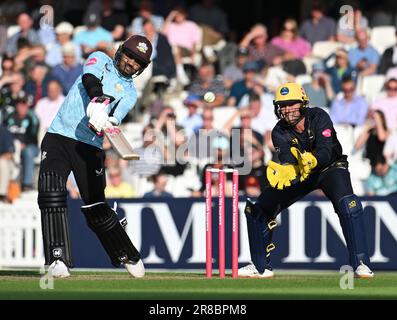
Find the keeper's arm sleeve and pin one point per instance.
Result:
(325, 133)
(282, 147)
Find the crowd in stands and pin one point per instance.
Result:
(348, 70)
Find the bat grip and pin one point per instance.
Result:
(98, 133)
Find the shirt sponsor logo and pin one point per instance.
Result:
(327, 133)
(91, 62)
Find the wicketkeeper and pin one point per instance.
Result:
(311, 158)
(74, 143)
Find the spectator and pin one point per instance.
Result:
(251, 186)
(145, 13)
(6, 161)
(64, 32)
(7, 66)
(117, 188)
(364, 58)
(350, 108)
(11, 88)
(345, 33)
(341, 70)
(113, 19)
(245, 86)
(212, 19)
(183, 35)
(23, 123)
(193, 120)
(388, 104)
(47, 108)
(162, 58)
(258, 49)
(37, 85)
(290, 41)
(26, 31)
(234, 72)
(206, 81)
(390, 148)
(319, 27)
(69, 70)
(160, 183)
(374, 136)
(320, 89)
(95, 37)
(388, 59)
(383, 179)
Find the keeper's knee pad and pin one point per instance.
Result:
(352, 222)
(52, 200)
(260, 230)
(104, 222)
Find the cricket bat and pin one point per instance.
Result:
(119, 143)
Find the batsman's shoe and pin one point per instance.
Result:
(250, 271)
(363, 271)
(58, 269)
(136, 269)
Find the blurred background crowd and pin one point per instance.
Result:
(347, 65)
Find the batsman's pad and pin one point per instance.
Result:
(52, 200)
(259, 236)
(352, 222)
(104, 222)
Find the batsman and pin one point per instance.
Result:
(102, 96)
(311, 158)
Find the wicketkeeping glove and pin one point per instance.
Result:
(306, 161)
(281, 175)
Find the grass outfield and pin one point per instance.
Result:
(188, 286)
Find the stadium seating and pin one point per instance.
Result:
(323, 49)
(383, 37)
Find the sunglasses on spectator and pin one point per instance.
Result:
(208, 118)
(289, 29)
(391, 89)
(348, 90)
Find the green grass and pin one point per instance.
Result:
(189, 286)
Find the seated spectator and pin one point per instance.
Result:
(11, 88)
(258, 49)
(350, 108)
(364, 58)
(37, 85)
(341, 70)
(145, 13)
(6, 161)
(318, 27)
(115, 186)
(383, 179)
(212, 19)
(234, 72)
(7, 66)
(113, 19)
(290, 41)
(193, 120)
(390, 148)
(374, 136)
(24, 125)
(95, 37)
(64, 33)
(47, 108)
(320, 89)
(206, 81)
(183, 35)
(388, 59)
(388, 104)
(69, 70)
(162, 58)
(160, 183)
(345, 33)
(26, 31)
(245, 86)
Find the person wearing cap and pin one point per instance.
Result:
(69, 70)
(245, 86)
(100, 98)
(193, 120)
(24, 125)
(95, 37)
(234, 72)
(340, 70)
(310, 158)
(64, 32)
